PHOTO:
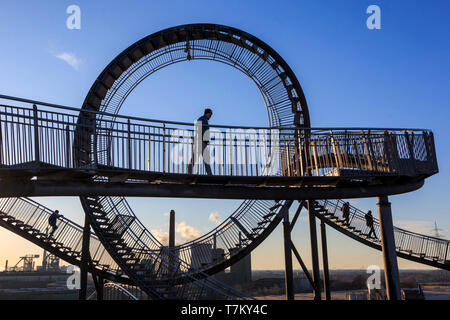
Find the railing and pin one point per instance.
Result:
(68, 233)
(419, 245)
(210, 249)
(115, 291)
(158, 265)
(31, 136)
(228, 238)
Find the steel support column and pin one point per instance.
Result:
(314, 250)
(289, 278)
(85, 256)
(101, 284)
(98, 282)
(326, 274)
(388, 247)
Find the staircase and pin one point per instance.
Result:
(151, 266)
(29, 220)
(409, 245)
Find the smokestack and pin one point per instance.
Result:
(44, 261)
(172, 229)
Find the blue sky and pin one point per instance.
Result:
(398, 76)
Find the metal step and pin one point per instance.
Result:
(98, 210)
(104, 226)
(15, 221)
(101, 218)
(258, 228)
(40, 235)
(126, 249)
(95, 203)
(131, 260)
(269, 215)
(275, 206)
(111, 235)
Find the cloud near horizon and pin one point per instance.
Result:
(71, 59)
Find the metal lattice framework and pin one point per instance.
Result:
(278, 85)
(281, 91)
(98, 146)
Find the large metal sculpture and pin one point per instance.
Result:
(103, 156)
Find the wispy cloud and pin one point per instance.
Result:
(187, 232)
(214, 217)
(71, 59)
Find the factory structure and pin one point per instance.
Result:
(205, 254)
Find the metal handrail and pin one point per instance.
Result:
(114, 116)
(29, 134)
(69, 233)
(172, 263)
(301, 150)
(121, 289)
(406, 241)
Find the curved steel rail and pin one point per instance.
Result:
(115, 291)
(281, 91)
(409, 245)
(28, 219)
(139, 150)
(153, 267)
(304, 157)
(285, 102)
(54, 127)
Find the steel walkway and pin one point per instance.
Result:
(153, 157)
(409, 245)
(161, 275)
(320, 159)
(101, 156)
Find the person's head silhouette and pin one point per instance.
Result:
(208, 113)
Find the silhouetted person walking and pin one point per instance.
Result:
(202, 141)
(346, 213)
(52, 221)
(369, 223)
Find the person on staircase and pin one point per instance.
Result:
(369, 223)
(52, 221)
(346, 213)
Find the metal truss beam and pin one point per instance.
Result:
(38, 188)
